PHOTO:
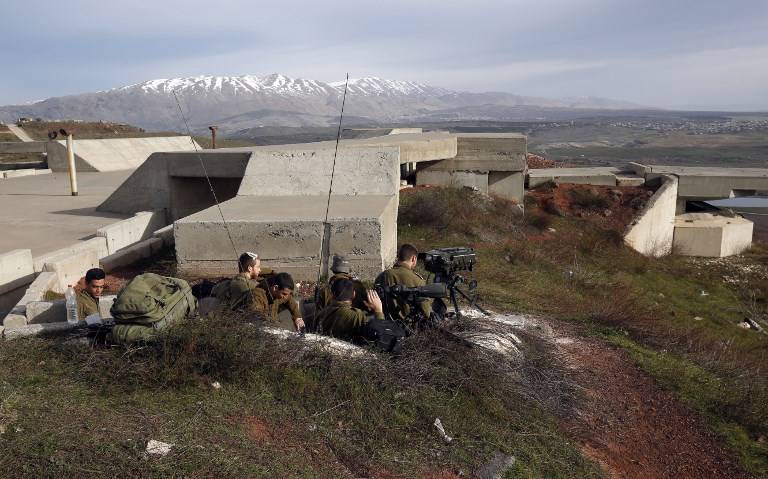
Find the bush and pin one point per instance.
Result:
(588, 199)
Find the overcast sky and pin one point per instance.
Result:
(702, 54)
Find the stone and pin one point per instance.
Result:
(12, 321)
(496, 468)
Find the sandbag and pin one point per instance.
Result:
(150, 298)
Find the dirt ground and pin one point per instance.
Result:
(634, 429)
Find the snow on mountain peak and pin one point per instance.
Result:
(376, 86)
(244, 84)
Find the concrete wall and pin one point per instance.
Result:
(359, 171)
(24, 147)
(497, 146)
(150, 188)
(16, 269)
(131, 254)
(507, 185)
(456, 179)
(113, 153)
(286, 233)
(69, 268)
(652, 231)
(127, 232)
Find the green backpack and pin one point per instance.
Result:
(154, 301)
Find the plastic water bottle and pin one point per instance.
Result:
(71, 298)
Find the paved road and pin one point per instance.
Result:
(38, 212)
(21, 134)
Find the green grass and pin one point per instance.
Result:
(284, 410)
(583, 273)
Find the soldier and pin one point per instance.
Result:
(237, 291)
(403, 273)
(342, 320)
(88, 297)
(341, 270)
(273, 296)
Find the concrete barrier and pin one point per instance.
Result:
(131, 254)
(652, 231)
(165, 234)
(38, 330)
(35, 292)
(706, 234)
(23, 147)
(71, 267)
(127, 232)
(97, 244)
(39, 312)
(16, 269)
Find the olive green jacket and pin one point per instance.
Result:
(341, 320)
(264, 306)
(236, 292)
(86, 305)
(325, 297)
(398, 274)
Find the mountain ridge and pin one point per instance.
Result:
(235, 103)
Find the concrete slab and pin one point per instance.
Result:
(39, 213)
(44, 282)
(38, 330)
(15, 269)
(703, 183)
(605, 176)
(165, 234)
(705, 234)
(18, 173)
(114, 154)
(125, 233)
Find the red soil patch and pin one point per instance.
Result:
(258, 430)
(633, 428)
(613, 207)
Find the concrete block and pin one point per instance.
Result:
(18, 173)
(507, 185)
(36, 291)
(132, 230)
(38, 330)
(131, 254)
(43, 171)
(625, 179)
(12, 321)
(287, 231)
(71, 267)
(97, 244)
(46, 311)
(16, 269)
(165, 234)
(705, 234)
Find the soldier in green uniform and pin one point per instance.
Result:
(273, 296)
(342, 320)
(236, 292)
(403, 273)
(88, 297)
(341, 269)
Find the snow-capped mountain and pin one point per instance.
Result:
(241, 102)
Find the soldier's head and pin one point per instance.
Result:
(280, 285)
(407, 255)
(340, 264)
(94, 281)
(250, 264)
(343, 290)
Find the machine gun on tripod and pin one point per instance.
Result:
(445, 265)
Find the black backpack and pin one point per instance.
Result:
(384, 334)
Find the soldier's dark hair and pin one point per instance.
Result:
(94, 274)
(406, 252)
(282, 281)
(246, 260)
(343, 289)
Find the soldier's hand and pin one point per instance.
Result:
(299, 323)
(374, 302)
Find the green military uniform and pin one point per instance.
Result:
(325, 296)
(86, 305)
(399, 274)
(341, 320)
(236, 292)
(266, 307)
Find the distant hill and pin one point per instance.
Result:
(244, 102)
